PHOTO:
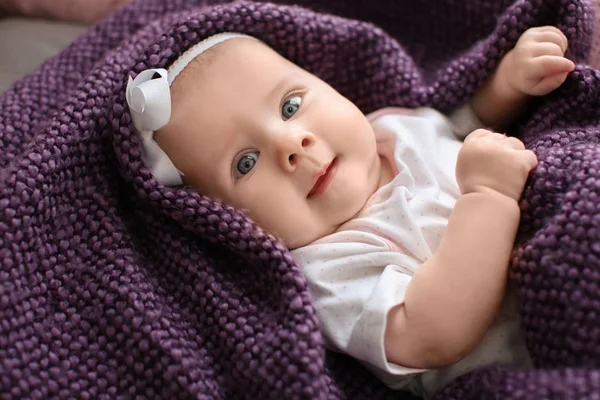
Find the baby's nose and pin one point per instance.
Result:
(292, 147)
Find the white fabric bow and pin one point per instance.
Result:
(149, 100)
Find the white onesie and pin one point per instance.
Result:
(357, 274)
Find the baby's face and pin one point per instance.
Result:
(258, 132)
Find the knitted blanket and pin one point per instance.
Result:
(113, 286)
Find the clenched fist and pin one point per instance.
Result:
(492, 161)
(536, 65)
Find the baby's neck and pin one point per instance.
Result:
(386, 175)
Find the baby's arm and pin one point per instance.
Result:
(534, 67)
(453, 297)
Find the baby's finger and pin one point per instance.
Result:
(477, 134)
(546, 49)
(531, 159)
(548, 84)
(495, 136)
(551, 34)
(550, 65)
(514, 143)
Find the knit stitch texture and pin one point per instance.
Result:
(113, 286)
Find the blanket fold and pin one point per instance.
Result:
(113, 286)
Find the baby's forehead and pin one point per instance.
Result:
(241, 53)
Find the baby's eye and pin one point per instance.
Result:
(245, 163)
(290, 106)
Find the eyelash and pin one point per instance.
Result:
(294, 93)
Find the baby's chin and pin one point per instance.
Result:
(309, 236)
(297, 243)
(305, 239)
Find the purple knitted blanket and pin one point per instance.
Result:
(112, 286)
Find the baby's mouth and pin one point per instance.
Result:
(323, 179)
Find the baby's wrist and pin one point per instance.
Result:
(512, 85)
(488, 194)
(503, 85)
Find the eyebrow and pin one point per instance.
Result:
(282, 83)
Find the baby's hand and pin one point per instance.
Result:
(536, 65)
(490, 160)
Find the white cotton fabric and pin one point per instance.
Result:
(357, 274)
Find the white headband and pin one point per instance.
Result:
(149, 100)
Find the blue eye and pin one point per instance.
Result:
(290, 106)
(245, 163)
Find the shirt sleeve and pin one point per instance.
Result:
(464, 121)
(353, 286)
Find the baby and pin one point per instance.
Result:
(404, 231)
